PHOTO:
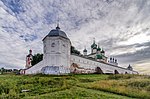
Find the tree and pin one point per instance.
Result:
(74, 51)
(37, 58)
(2, 70)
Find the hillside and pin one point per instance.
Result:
(74, 86)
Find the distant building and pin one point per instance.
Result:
(58, 58)
(129, 67)
(29, 58)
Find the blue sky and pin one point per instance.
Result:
(121, 27)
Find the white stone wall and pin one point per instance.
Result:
(57, 51)
(84, 64)
(56, 57)
(92, 55)
(38, 68)
(35, 69)
(87, 63)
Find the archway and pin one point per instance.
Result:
(116, 72)
(98, 70)
(126, 72)
(74, 68)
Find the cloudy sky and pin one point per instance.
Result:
(121, 27)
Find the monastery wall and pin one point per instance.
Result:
(83, 65)
(35, 69)
(86, 65)
(42, 68)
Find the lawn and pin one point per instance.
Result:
(74, 86)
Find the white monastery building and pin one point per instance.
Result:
(59, 59)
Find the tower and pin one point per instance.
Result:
(85, 52)
(93, 47)
(130, 67)
(98, 50)
(103, 52)
(57, 51)
(29, 58)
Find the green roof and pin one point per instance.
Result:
(98, 49)
(99, 56)
(94, 45)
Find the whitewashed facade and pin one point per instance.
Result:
(58, 59)
(90, 65)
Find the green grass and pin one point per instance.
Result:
(89, 86)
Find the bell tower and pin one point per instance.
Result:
(29, 58)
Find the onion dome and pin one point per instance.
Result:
(30, 53)
(99, 56)
(102, 51)
(94, 46)
(98, 49)
(57, 32)
(84, 50)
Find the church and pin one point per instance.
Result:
(58, 59)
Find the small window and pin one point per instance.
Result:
(64, 45)
(53, 45)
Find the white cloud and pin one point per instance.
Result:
(125, 50)
(143, 67)
(116, 24)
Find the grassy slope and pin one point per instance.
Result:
(75, 86)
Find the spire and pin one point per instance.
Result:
(102, 51)
(84, 47)
(85, 50)
(130, 67)
(94, 40)
(58, 25)
(98, 49)
(94, 46)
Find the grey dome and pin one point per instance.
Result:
(57, 32)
